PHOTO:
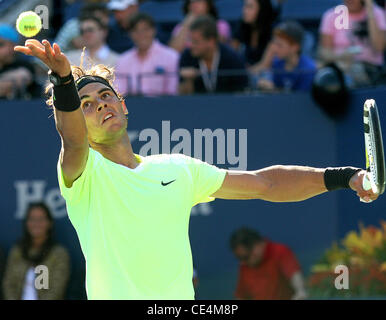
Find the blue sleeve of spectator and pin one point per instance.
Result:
(305, 79)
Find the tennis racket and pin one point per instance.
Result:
(375, 159)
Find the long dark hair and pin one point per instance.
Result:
(25, 242)
(262, 24)
(212, 10)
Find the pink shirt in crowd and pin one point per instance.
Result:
(345, 38)
(223, 29)
(154, 75)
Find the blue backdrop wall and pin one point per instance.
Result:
(251, 132)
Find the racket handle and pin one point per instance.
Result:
(366, 183)
(369, 184)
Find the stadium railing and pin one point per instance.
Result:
(233, 73)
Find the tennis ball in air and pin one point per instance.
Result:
(28, 24)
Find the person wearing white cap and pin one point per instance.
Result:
(123, 10)
(118, 38)
(121, 4)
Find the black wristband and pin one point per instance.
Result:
(339, 178)
(66, 97)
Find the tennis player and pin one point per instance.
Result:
(131, 213)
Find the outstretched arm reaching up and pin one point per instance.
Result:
(69, 117)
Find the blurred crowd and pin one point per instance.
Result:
(204, 53)
(267, 270)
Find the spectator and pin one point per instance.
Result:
(118, 38)
(193, 9)
(150, 68)
(254, 30)
(16, 74)
(36, 247)
(290, 69)
(209, 66)
(69, 37)
(268, 270)
(358, 50)
(94, 34)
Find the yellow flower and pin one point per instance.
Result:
(383, 224)
(335, 255)
(354, 243)
(357, 261)
(320, 268)
(371, 236)
(382, 267)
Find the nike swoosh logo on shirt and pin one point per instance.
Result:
(166, 183)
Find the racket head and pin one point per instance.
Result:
(375, 159)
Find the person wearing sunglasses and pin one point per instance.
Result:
(94, 34)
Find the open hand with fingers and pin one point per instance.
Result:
(49, 55)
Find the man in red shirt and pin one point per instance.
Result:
(268, 270)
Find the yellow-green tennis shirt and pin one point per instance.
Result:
(133, 224)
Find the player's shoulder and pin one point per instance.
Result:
(93, 154)
(173, 158)
(177, 163)
(96, 159)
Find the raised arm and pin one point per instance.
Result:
(71, 125)
(178, 39)
(286, 184)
